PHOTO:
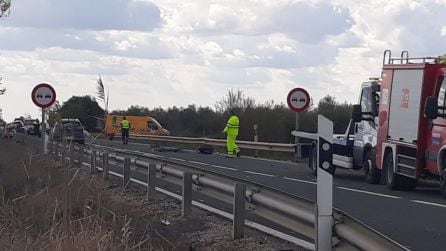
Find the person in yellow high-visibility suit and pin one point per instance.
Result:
(231, 130)
(125, 127)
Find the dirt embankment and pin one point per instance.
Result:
(44, 206)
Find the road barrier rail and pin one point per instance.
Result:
(290, 212)
(251, 145)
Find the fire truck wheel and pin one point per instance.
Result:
(391, 177)
(443, 183)
(372, 174)
(312, 162)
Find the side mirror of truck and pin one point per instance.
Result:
(431, 108)
(356, 113)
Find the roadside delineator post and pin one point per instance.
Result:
(105, 166)
(126, 172)
(187, 194)
(151, 186)
(238, 224)
(325, 170)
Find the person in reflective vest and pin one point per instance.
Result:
(125, 127)
(231, 130)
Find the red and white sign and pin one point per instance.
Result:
(43, 95)
(298, 100)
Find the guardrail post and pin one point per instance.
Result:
(151, 176)
(93, 161)
(126, 172)
(256, 139)
(71, 155)
(238, 225)
(187, 194)
(105, 166)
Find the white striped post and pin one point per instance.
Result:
(325, 172)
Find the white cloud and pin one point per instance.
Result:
(175, 53)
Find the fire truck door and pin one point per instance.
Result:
(436, 137)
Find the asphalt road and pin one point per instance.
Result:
(413, 218)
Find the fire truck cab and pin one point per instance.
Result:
(411, 137)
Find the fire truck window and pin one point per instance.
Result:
(441, 97)
(366, 103)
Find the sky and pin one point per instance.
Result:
(165, 53)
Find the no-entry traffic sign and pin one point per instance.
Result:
(298, 99)
(43, 95)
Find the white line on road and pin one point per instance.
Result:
(196, 162)
(264, 174)
(371, 193)
(177, 159)
(429, 203)
(304, 181)
(224, 167)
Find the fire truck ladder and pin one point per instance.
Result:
(405, 59)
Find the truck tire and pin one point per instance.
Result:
(372, 174)
(312, 161)
(391, 176)
(443, 184)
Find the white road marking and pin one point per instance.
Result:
(224, 167)
(429, 203)
(367, 192)
(196, 162)
(177, 159)
(264, 174)
(304, 181)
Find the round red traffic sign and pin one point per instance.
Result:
(298, 99)
(43, 95)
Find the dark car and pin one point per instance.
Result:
(70, 130)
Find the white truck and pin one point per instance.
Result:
(353, 149)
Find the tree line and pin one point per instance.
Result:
(274, 121)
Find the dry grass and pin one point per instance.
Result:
(44, 206)
(47, 206)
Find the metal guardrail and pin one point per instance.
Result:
(282, 208)
(276, 147)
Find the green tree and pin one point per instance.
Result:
(84, 108)
(234, 100)
(339, 113)
(2, 90)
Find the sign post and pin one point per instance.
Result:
(298, 100)
(43, 95)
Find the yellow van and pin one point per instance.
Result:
(139, 125)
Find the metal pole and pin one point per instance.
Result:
(238, 225)
(256, 138)
(324, 185)
(44, 138)
(151, 181)
(126, 172)
(105, 166)
(187, 194)
(298, 155)
(93, 162)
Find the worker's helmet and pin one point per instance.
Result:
(123, 117)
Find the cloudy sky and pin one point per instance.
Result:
(164, 53)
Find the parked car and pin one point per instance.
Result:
(70, 130)
(13, 128)
(30, 127)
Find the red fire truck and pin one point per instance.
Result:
(411, 138)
